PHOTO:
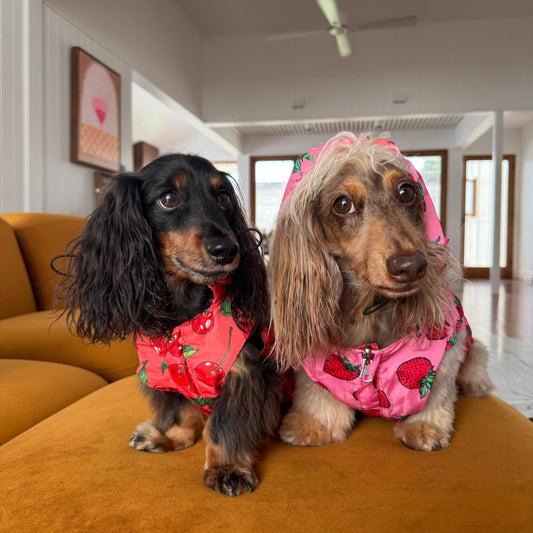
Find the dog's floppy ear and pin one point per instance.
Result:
(113, 277)
(306, 287)
(249, 281)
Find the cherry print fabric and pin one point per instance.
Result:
(197, 357)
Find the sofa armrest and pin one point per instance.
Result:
(43, 336)
(42, 236)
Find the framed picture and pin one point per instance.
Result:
(95, 114)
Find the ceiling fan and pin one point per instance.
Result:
(339, 30)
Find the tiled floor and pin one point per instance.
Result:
(505, 324)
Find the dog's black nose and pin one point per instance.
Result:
(221, 249)
(407, 268)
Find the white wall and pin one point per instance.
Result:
(154, 38)
(21, 134)
(68, 187)
(457, 66)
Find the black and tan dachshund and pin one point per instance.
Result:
(163, 248)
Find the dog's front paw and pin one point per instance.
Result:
(302, 430)
(422, 436)
(231, 480)
(148, 438)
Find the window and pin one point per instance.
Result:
(433, 167)
(268, 179)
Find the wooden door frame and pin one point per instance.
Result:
(484, 272)
(253, 161)
(443, 177)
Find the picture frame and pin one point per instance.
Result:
(95, 112)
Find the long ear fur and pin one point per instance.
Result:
(114, 281)
(306, 285)
(249, 290)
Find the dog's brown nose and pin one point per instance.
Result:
(407, 268)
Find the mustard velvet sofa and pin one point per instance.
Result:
(68, 410)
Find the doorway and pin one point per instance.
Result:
(478, 216)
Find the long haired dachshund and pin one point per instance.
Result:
(361, 304)
(168, 257)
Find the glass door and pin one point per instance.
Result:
(478, 216)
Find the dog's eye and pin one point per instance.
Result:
(344, 205)
(223, 200)
(169, 200)
(407, 193)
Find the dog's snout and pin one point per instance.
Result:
(221, 250)
(408, 267)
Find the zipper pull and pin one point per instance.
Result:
(366, 376)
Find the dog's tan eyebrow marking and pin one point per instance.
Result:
(390, 177)
(215, 182)
(180, 180)
(356, 189)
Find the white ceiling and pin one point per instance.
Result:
(157, 123)
(215, 18)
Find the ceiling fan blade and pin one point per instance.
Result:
(331, 11)
(295, 34)
(343, 44)
(401, 22)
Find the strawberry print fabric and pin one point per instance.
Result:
(197, 357)
(393, 382)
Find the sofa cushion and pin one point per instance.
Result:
(45, 337)
(75, 472)
(42, 236)
(30, 391)
(16, 296)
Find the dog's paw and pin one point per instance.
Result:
(422, 436)
(148, 438)
(300, 429)
(231, 480)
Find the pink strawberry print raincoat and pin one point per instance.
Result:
(198, 356)
(393, 381)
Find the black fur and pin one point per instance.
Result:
(248, 408)
(120, 283)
